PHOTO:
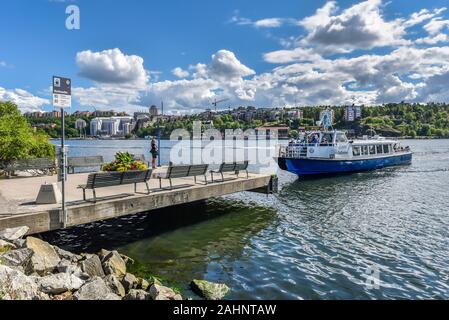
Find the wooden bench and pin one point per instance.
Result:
(111, 179)
(184, 172)
(84, 162)
(46, 165)
(235, 167)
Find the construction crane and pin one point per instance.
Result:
(216, 102)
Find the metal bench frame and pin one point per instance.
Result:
(47, 165)
(235, 167)
(112, 179)
(185, 172)
(83, 162)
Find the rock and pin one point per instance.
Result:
(103, 254)
(66, 266)
(19, 243)
(96, 289)
(45, 258)
(92, 266)
(13, 233)
(59, 283)
(128, 260)
(142, 284)
(209, 290)
(68, 295)
(129, 282)
(137, 295)
(14, 285)
(115, 285)
(6, 246)
(114, 264)
(66, 255)
(158, 292)
(18, 258)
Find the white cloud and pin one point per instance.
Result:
(269, 23)
(113, 67)
(361, 26)
(180, 73)
(23, 99)
(225, 66)
(3, 64)
(422, 15)
(288, 56)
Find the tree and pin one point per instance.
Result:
(17, 138)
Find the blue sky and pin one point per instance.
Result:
(259, 53)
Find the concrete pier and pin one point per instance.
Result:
(18, 207)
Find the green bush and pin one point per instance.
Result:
(17, 138)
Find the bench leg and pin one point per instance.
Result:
(95, 195)
(194, 179)
(247, 174)
(160, 183)
(84, 194)
(212, 176)
(148, 187)
(171, 184)
(222, 176)
(135, 187)
(205, 179)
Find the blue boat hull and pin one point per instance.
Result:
(303, 167)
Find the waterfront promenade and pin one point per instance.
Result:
(18, 207)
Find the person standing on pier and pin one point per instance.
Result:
(154, 152)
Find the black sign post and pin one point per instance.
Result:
(62, 98)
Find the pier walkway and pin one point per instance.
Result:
(18, 207)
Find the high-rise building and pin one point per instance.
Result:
(95, 127)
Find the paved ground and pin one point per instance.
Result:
(18, 195)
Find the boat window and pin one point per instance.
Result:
(372, 149)
(327, 139)
(386, 148)
(356, 151)
(365, 150)
(379, 149)
(341, 138)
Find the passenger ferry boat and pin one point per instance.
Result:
(330, 152)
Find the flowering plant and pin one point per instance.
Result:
(124, 161)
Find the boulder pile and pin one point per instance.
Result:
(32, 269)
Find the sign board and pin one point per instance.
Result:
(62, 92)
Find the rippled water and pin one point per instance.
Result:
(316, 239)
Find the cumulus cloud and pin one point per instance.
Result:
(225, 66)
(361, 26)
(180, 73)
(113, 67)
(26, 101)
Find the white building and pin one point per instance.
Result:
(353, 113)
(112, 126)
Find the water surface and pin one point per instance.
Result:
(316, 239)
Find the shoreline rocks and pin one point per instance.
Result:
(32, 269)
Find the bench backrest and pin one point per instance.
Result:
(231, 167)
(187, 171)
(178, 171)
(136, 176)
(110, 179)
(198, 170)
(30, 164)
(83, 162)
